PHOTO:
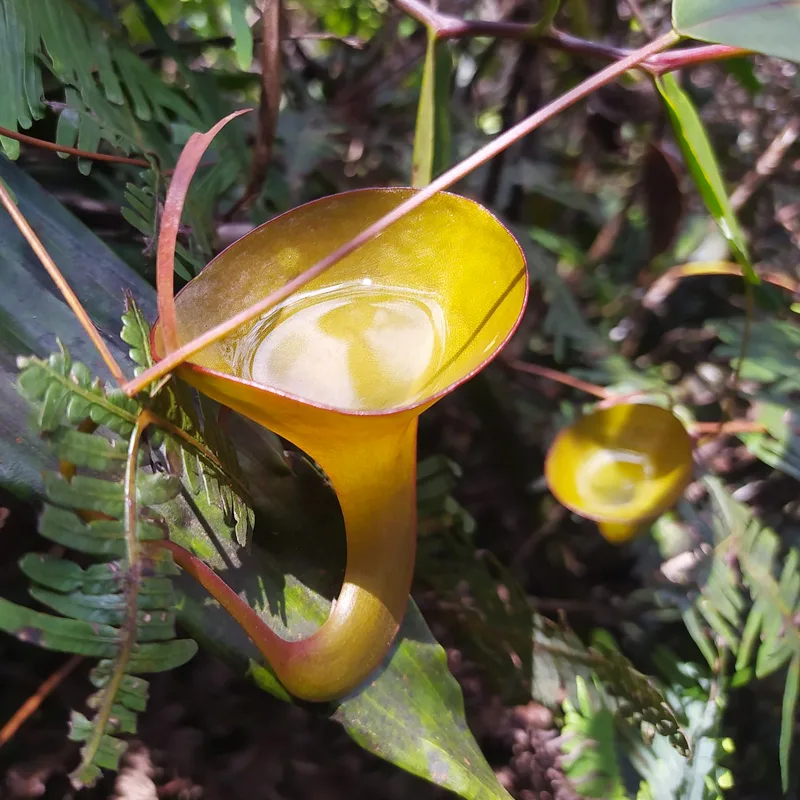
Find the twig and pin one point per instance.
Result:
(69, 296)
(561, 377)
(268, 105)
(725, 428)
(696, 429)
(464, 168)
(661, 288)
(449, 27)
(638, 15)
(72, 151)
(31, 705)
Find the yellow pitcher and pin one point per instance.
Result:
(622, 466)
(344, 368)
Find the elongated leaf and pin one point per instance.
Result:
(789, 718)
(766, 26)
(702, 163)
(433, 137)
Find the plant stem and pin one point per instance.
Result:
(661, 288)
(69, 296)
(723, 428)
(446, 26)
(72, 151)
(561, 377)
(133, 552)
(477, 159)
(31, 705)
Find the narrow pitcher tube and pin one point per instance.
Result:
(343, 369)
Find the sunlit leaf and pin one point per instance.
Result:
(702, 163)
(433, 137)
(766, 26)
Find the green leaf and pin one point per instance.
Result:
(766, 26)
(133, 691)
(703, 166)
(789, 718)
(54, 573)
(667, 775)
(433, 137)
(91, 494)
(86, 450)
(57, 633)
(242, 35)
(590, 761)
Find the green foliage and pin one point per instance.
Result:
(121, 610)
(702, 163)
(564, 323)
(701, 702)
(433, 144)
(771, 354)
(766, 26)
(765, 637)
(587, 740)
(204, 455)
(527, 654)
(142, 211)
(123, 101)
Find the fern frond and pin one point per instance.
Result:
(486, 602)
(121, 610)
(771, 357)
(564, 321)
(110, 93)
(143, 213)
(766, 637)
(701, 701)
(208, 459)
(588, 742)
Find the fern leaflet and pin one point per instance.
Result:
(120, 610)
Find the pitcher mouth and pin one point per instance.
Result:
(650, 494)
(420, 400)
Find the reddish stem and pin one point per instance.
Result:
(31, 705)
(560, 377)
(446, 27)
(72, 151)
(725, 428)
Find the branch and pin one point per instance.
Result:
(560, 377)
(461, 170)
(446, 26)
(72, 151)
(66, 290)
(31, 705)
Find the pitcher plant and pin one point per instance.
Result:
(622, 466)
(343, 369)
